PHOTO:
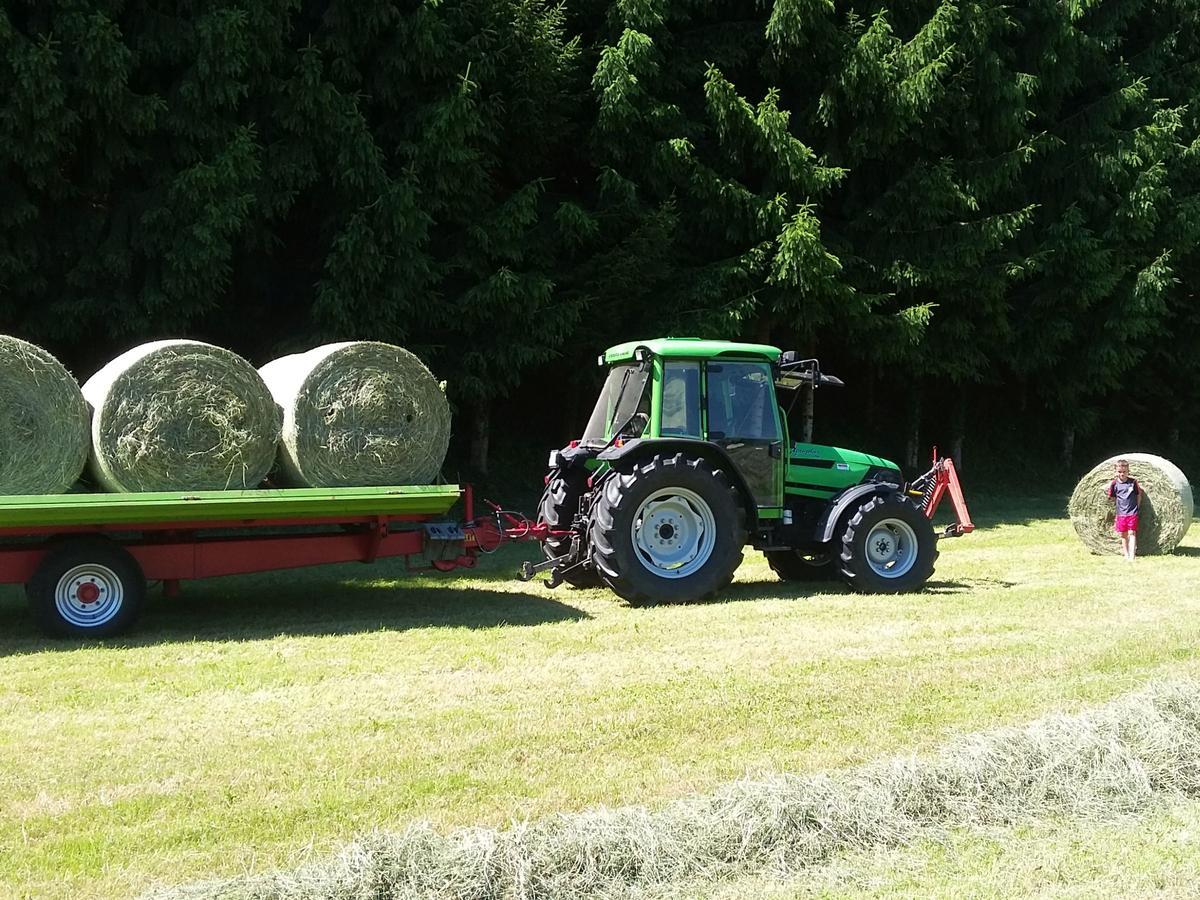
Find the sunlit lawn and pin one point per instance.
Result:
(254, 721)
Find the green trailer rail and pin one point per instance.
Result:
(23, 512)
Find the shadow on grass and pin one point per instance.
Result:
(800, 590)
(989, 510)
(328, 600)
(1185, 551)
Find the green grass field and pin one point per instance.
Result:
(257, 722)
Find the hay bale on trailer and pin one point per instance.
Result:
(180, 415)
(43, 421)
(1166, 507)
(359, 413)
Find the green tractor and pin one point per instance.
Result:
(686, 459)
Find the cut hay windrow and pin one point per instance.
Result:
(1165, 512)
(180, 415)
(43, 421)
(1114, 760)
(358, 413)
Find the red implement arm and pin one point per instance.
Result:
(931, 487)
(503, 525)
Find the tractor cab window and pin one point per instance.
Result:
(681, 400)
(742, 420)
(741, 404)
(624, 403)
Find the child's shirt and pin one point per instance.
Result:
(1126, 493)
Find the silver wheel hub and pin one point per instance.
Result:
(673, 532)
(88, 595)
(891, 548)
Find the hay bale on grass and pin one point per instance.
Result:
(180, 415)
(43, 421)
(1166, 508)
(358, 413)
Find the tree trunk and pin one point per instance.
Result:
(480, 434)
(958, 437)
(573, 423)
(806, 415)
(1068, 447)
(912, 449)
(762, 328)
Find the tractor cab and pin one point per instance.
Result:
(688, 442)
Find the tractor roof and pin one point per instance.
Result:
(690, 348)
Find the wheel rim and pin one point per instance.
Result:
(674, 532)
(89, 595)
(891, 548)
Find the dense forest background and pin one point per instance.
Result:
(982, 215)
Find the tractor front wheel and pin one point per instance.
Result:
(792, 565)
(669, 530)
(888, 546)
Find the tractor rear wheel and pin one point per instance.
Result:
(888, 546)
(558, 508)
(792, 565)
(669, 530)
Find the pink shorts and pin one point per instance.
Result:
(1125, 523)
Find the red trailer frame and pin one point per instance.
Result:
(171, 552)
(90, 579)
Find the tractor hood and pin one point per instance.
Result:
(820, 471)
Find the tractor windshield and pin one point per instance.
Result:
(624, 395)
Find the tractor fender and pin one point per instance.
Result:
(849, 497)
(639, 448)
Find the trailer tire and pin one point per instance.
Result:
(86, 587)
(792, 565)
(888, 546)
(557, 509)
(668, 530)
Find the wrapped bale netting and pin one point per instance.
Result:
(180, 415)
(359, 413)
(43, 421)
(1165, 511)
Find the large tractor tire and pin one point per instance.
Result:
(792, 565)
(888, 546)
(670, 530)
(558, 508)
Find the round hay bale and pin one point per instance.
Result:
(43, 421)
(1163, 518)
(359, 413)
(180, 415)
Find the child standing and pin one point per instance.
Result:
(1128, 494)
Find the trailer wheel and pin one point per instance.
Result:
(888, 546)
(558, 508)
(86, 587)
(671, 530)
(792, 565)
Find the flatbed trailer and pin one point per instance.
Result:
(85, 559)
